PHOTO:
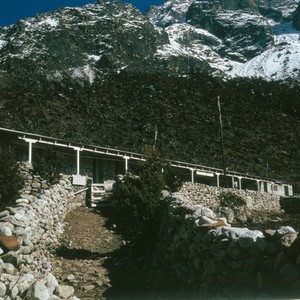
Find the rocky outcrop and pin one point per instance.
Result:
(83, 43)
(202, 252)
(245, 34)
(296, 18)
(36, 222)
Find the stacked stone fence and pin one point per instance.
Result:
(210, 196)
(202, 252)
(36, 221)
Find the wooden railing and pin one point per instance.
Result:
(98, 194)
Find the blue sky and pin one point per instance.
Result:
(13, 10)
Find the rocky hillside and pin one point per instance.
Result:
(115, 75)
(228, 38)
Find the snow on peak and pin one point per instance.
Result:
(281, 61)
(188, 41)
(171, 11)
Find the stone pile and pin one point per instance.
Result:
(35, 222)
(199, 249)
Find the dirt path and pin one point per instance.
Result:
(92, 258)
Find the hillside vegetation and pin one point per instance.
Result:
(261, 119)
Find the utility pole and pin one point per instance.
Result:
(222, 140)
(155, 137)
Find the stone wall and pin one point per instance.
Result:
(200, 251)
(210, 196)
(37, 221)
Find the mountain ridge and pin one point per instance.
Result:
(227, 38)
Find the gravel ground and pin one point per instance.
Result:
(95, 261)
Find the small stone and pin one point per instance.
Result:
(36, 185)
(7, 224)
(26, 250)
(40, 291)
(64, 291)
(4, 213)
(12, 220)
(285, 230)
(2, 289)
(71, 277)
(14, 292)
(288, 239)
(269, 232)
(22, 201)
(51, 283)
(5, 231)
(10, 269)
(19, 216)
(10, 243)
(24, 282)
(88, 287)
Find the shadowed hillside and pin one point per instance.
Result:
(261, 119)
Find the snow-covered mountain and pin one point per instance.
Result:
(229, 38)
(237, 38)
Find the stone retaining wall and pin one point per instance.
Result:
(37, 220)
(210, 196)
(199, 250)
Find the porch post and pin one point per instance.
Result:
(232, 181)
(77, 149)
(258, 185)
(240, 182)
(218, 179)
(30, 142)
(126, 163)
(192, 173)
(78, 161)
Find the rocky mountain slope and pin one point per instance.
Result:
(106, 74)
(235, 37)
(229, 38)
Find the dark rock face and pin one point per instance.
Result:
(238, 4)
(296, 18)
(242, 32)
(79, 41)
(90, 42)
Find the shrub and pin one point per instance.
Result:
(47, 164)
(10, 179)
(231, 200)
(137, 207)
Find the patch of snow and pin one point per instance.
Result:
(31, 24)
(194, 48)
(85, 72)
(277, 63)
(94, 57)
(49, 21)
(169, 12)
(2, 43)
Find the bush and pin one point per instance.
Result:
(231, 200)
(137, 207)
(10, 179)
(47, 164)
